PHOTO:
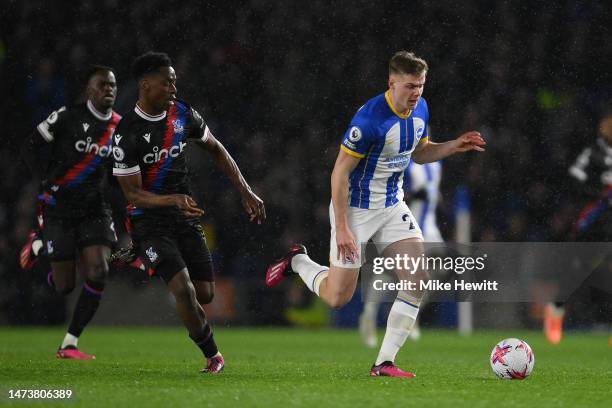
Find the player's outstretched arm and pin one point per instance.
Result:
(427, 152)
(132, 189)
(345, 164)
(252, 204)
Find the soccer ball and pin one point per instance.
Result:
(512, 359)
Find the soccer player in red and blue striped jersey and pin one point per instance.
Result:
(149, 163)
(77, 218)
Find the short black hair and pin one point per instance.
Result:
(93, 70)
(150, 62)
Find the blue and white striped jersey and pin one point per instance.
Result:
(384, 140)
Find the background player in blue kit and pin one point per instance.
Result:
(75, 216)
(149, 154)
(367, 201)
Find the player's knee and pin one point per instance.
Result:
(98, 272)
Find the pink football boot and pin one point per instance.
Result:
(281, 268)
(71, 352)
(388, 369)
(215, 364)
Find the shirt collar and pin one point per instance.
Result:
(146, 116)
(99, 115)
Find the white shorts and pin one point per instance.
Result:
(383, 226)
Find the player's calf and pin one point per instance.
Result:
(336, 286)
(64, 290)
(333, 297)
(193, 317)
(187, 306)
(62, 278)
(61, 286)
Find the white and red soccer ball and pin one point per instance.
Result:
(512, 359)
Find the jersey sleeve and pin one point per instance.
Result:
(358, 138)
(199, 128)
(49, 127)
(125, 156)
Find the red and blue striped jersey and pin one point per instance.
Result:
(81, 146)
(154, 147)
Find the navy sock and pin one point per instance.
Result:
(86, 306)
(206, 342)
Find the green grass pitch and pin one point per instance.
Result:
(145, 367)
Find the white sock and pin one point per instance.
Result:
(401, 318)
(70, 340)
(311, 272)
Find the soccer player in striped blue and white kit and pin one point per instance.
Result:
(383, 136)
(421, 190)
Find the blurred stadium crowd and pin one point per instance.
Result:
(278, 83)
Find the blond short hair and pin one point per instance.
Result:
(405, 62)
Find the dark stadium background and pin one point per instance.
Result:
(278, 83)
